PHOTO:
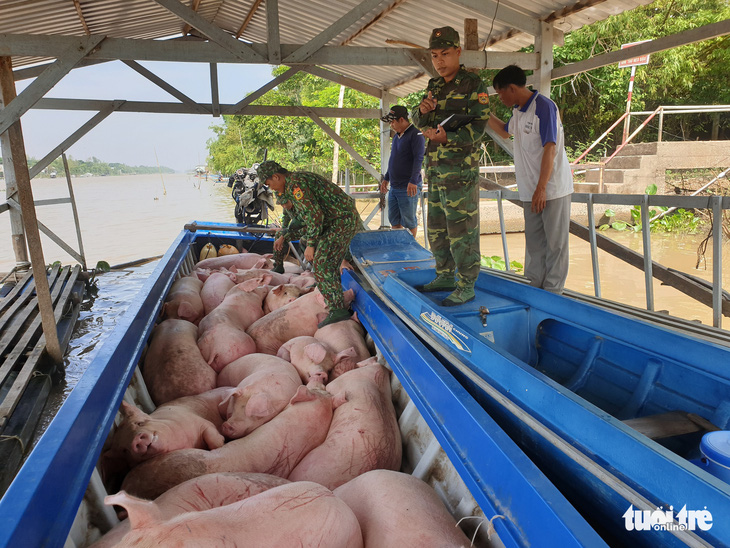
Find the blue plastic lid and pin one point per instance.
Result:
(716, 447)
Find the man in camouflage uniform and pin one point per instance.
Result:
(292, 229)
(452, 167)
(331, 221)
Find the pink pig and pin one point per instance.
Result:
(215, 288)
(341, 336)
(299, 317)
(396, 510)
(281, 295)
(173, 365)
(274, 448)
(197, 494)
(191, 421)
(303, 514)
(312, 358)
(364, 433)
(242, 260)
(183, 301)
(233, 373)
(258, 399)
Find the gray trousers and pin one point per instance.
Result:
(546, 244)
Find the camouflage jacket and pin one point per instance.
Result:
(465, 94)
(318, 202)
(293, 226)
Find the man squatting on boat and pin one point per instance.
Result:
(452, 167)
(544, 177)
(331, 221)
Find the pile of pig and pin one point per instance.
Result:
(268, 431)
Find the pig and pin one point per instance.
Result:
(190, 421)
(197, 494)
(173, 365)
(341, 336)
(299, 317)
(396, 509)
(274, 448)
(276, 278)
(215, 289)
(311, 357)
(364, 433)
(223, 343)
(281, 295)
(242, 260)
(257, 399)
(183, 301)
(233, 373)
(303, 514)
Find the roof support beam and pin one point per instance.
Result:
(507, 15)
(187, 28)
(215, 33)
(544, 50)
(251, 97)
(214, 90)
(422, 58)
(305, 51)
(50, 77)
(344, 81)
(698, 34)
(75, 136)
(80, 13)
(152, 77)
(248, 18)
(344, 144)
(272, 33)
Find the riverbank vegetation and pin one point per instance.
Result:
(95, 167)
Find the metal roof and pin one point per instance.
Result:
(388, 24)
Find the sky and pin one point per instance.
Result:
(178, 141)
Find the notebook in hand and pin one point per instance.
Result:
(455, 121)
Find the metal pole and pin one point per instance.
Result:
(30, 221)
(661, 124)
(645, 233)
(594, 247)
(503, 230)
(627, 122)
(73, 209)
(717, 261)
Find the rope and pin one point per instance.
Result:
(17, 438)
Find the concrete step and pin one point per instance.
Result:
(625, 162)
(615, 176)
(638, 149)
(582, 186)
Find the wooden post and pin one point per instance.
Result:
(30, 222)
(471, 37)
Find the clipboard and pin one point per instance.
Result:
(455, 121)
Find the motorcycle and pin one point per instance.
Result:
(253, 198)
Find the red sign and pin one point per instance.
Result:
(634, 61)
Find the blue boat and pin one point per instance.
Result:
(582, 390)
(450, 441)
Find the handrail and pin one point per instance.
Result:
(617, 122)
(636, 131)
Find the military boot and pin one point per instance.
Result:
(335, 315)
(278, 268)
(461, 295)
(442, 282)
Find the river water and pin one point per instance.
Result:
(128, 218)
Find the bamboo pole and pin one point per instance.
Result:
(30, 221)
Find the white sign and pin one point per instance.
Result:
(634, 61)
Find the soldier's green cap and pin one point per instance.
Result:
(267, 169)
(443, 37)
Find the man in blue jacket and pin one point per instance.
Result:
(404, 170)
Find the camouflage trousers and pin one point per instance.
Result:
(453, 224)
(333, 246)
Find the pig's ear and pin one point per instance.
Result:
(370, 361)
(128, 410)
(320, 297)
(251, 284)
(354, 317)
(347, 353)
(321, 316)
(267, 255)
(315, 352)
(163, 311)
(259, 406)
(142, 513)
(265, 279)
(261, 263)
(223, 406)
(277, 290)
(202, 273)
(349, 296)
(339, 399)
(302, 395)
(186, 311)
(284, 354)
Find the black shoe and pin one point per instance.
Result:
(336, 315)
(278, 268)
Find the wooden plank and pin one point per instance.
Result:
(16, 390)
(13, 320)
(8, 299)
(12, 358)
(666, 425)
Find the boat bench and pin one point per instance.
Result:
(667, 425)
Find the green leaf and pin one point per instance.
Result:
(610, 213)
(619, 225)
(651, 189)
(103, 266)
(604, 227)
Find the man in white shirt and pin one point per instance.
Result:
(544, 177)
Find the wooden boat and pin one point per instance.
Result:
(449, 440)
(582, 389)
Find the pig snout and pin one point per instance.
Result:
(142, 442)
(228, 430)
(318, 377)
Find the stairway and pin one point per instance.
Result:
(639, 165)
